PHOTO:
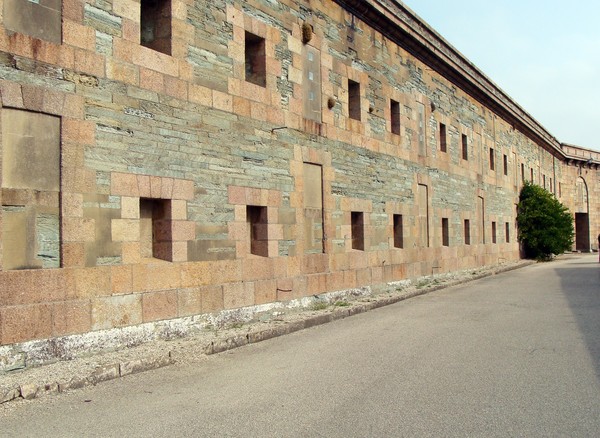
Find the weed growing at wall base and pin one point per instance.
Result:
(545, 225)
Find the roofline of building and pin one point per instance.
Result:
(401, 25)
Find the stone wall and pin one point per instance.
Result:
(198, 174)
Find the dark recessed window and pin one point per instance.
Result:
(492, 163)
(353, 100)
(398, 231)
(507, 232)
(465, 147)
(258, 225)
(358, 230)
(395, 116)
(443, 147)
(155, 25)
(256, 65)
(493, 232)
(467, 231)
(445, 232)
(505, 164)
(156, 238)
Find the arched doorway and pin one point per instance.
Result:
(582, 217)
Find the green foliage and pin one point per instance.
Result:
(545, 225)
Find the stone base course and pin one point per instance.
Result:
(231, 329)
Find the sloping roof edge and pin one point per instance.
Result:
(400, 24)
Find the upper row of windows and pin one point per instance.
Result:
(156, 31)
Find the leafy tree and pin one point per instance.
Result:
(545, 225)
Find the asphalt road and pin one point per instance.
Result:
(517, 354)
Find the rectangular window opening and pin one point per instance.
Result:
(492, 163)
(467, 226)
(445, 232)
(531, 172)
(493, 232)
(155, 25)
(465, 147)
(398, 231)
(358, 230)
(443, 146)
(507, 232)
(505, 165)
(258, 225)
(353, 100)
(156, 238)
(256, 64)
(522, 172)
(395, 116)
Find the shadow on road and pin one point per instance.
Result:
(581, 287)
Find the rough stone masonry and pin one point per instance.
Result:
(170, 159)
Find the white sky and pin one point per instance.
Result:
(544, 54)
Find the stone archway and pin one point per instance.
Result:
(582, 217)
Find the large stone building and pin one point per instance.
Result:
(169, 158)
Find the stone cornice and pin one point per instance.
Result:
(579, 156)
(398, 23)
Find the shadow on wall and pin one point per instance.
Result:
(581, 287)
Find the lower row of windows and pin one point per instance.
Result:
(257, 224)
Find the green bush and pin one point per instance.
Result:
(545, 225)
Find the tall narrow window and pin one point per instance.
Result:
(544, 180)
(492, 163)
(156, 238)
(522, 172)
(312, 83)
(443, 147)
(493, 232)
(398, 231)
(531, 172)
(358, 230)
(313, 209)
(465, 147)
(551, 186)
(507, 232)
(421, 129)
(155, 25)
(445, 232)
(258, 225)
(505, 164)
(255, 55)
(395, 116)
(353, 100)
(467, 231)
